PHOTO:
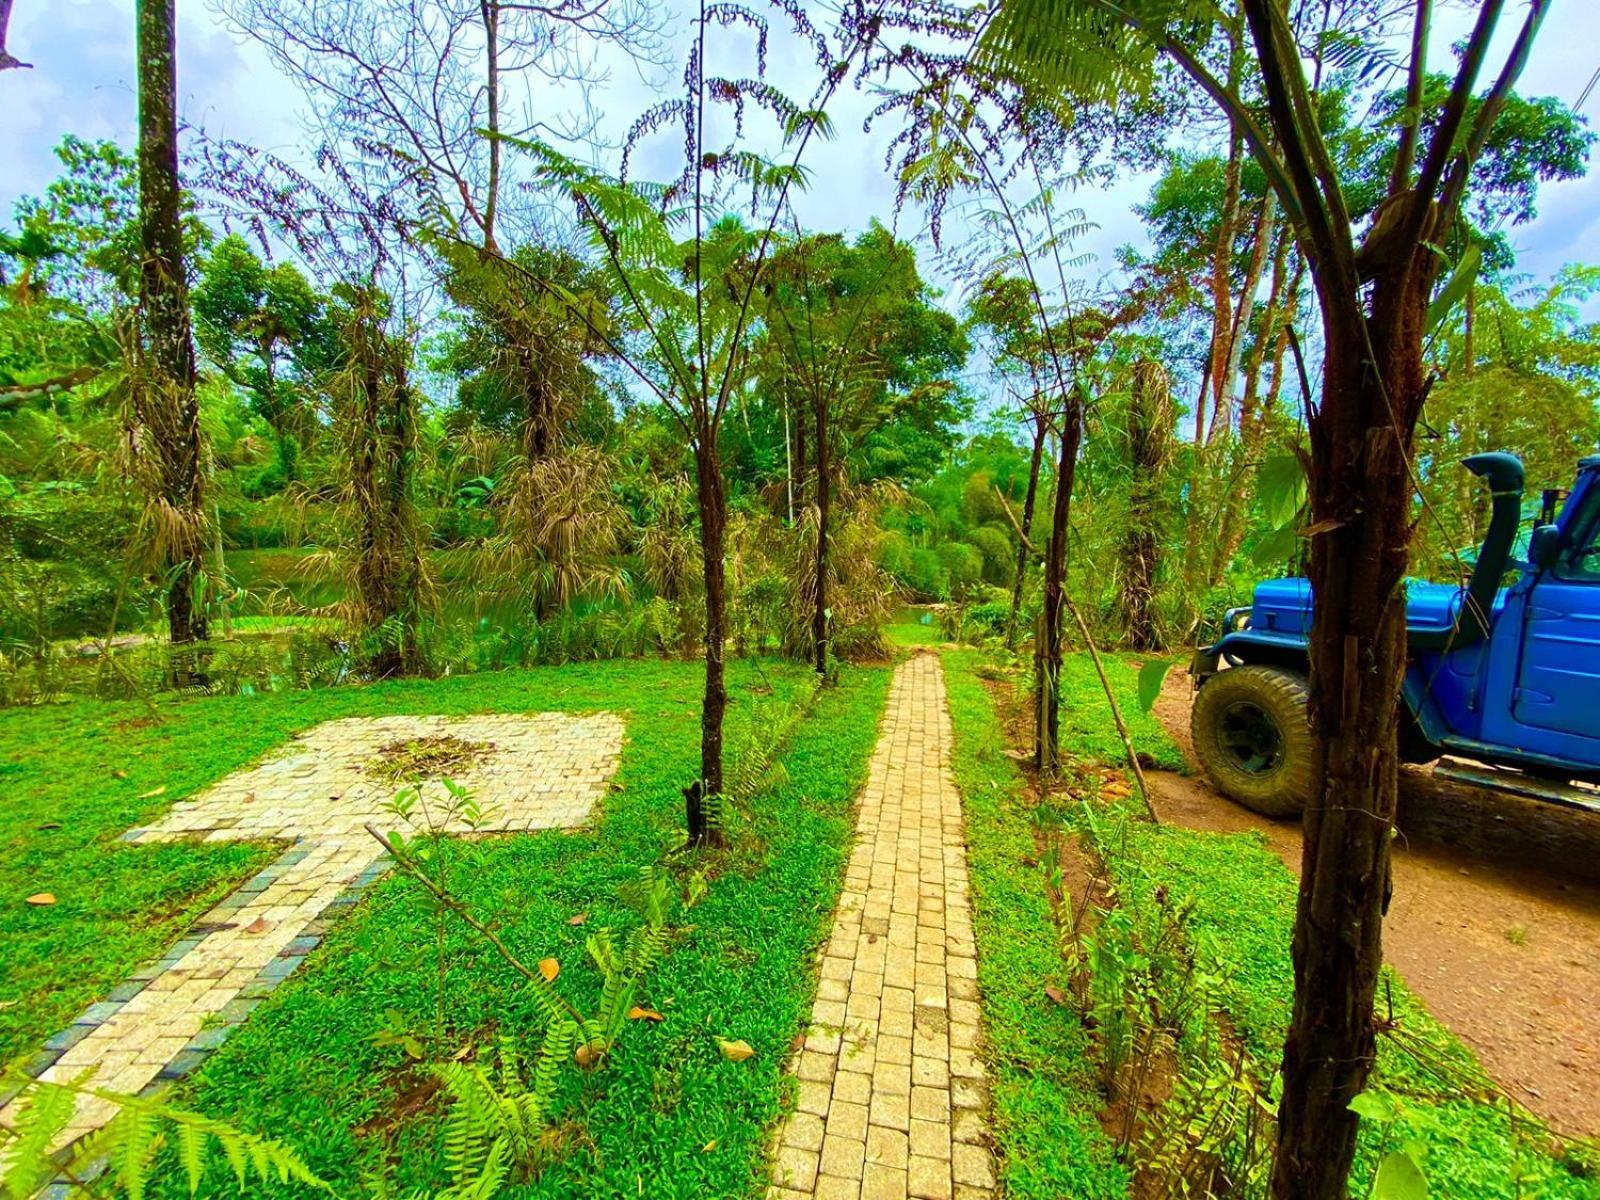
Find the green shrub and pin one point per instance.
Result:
(928, 577)
(999, 554)
(963, 565)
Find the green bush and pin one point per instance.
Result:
(963, 564)
(63, 522)
(928, 577)
(999, 554)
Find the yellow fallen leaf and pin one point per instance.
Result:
(153, 792)
(709, 1146)
(549, 968)
(42, 899)
(589, 1053)
(644, 1014)
(735, 1051)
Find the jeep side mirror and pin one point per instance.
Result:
(1544, 545)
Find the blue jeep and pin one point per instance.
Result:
(1506, 676)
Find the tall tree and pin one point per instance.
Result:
(1373, 294)
(1003, 307)
(266, 329)
(686, 271)
(165, 403)
(852, 328)
(375, 418)
(1149, 422)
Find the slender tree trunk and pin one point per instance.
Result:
(819, 618)
(1040, 427)
(1239, 320)
(1048, 754)
(168, 408)
(1252, 419)
(1149, 440)
(1361, 499)
(490, 12)
(797, 480)
(1222, 288)
(713, 530)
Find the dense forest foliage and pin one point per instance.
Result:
(548, 497)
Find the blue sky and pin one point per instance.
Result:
(82, 82)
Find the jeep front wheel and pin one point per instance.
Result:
(1253, 739)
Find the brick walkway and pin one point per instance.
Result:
(892, 1093)
(537, 771)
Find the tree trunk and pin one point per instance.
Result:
(489, 10)
(1048, 753)
(166, 403)
(1149, 439)
(1252, 414)
(797, 477)
(1040, 427)
(1239, 321)
(819, 618)
(1361, 500)
(706, 792)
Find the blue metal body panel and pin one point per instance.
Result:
(1527, 695)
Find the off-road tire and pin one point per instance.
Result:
(1279, 784)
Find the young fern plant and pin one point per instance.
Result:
(117, 1158)
(500, 1129)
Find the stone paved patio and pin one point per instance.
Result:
(892, 1092)
(544, 771)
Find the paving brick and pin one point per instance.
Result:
(897, 1000)
(542, 770)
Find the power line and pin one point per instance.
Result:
(1588, 87)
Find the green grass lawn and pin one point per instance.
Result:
(668, 1113)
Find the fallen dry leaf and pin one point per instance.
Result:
(119, 774)
(709, 1146)
(549, 968)
(1056, 994)
(735, 1051)
(259, 925)
(578, 919)
(589, 1053)
(41, 899)
(153, 792)
(644, 1014)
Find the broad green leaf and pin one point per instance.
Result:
(1373, 1106)
(1274, 547)
(1399, 1178)
(1456, 288)
(1281, 487)
(1151, 677)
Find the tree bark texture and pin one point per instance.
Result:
(703, 795)
(1149, 443)
(819, 617)
(1041, 426)
(1048, 753)
(165, 400)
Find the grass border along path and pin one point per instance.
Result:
(1243, 917)
(1044, 1094)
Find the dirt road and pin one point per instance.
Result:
(1495, 921)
